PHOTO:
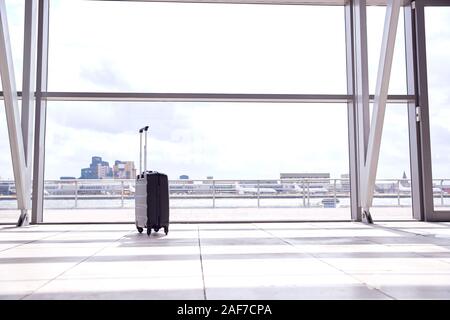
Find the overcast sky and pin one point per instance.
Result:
(160, 47)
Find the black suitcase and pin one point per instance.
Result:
(151, 196)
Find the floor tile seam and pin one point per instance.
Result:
(333, 266)
(218, 276)
(201, 263)
(399, 231)
(191, 276)
(402, 233)
(74, 265)
(420, 254)
(408, 233)
(35, 240)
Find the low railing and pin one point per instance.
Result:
(305, 193)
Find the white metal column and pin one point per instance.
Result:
(361, 96)
(20, 128)
(28, 88)
(379, 105)
(355, 208)
(415, 143)
(12, 112)
(41, 113)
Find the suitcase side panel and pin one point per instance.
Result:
(140, 197)
(164, 200)
(152, 200)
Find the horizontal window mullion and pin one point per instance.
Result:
(205, 97)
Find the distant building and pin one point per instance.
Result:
(304, 175)
(319, 180)
(345, 182)
(405, 182)
(98, 169)
(67, 178)
(88, 173)
(124, 170)
(182, 180)
(209, 180)
(104, 172)
(256, 182)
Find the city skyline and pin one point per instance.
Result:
(100, 169)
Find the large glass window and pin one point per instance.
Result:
(375, 28)
(15, 10)
(236, 155)
(196, 47)
(438, 50)
(224, 157)
(8, 203)
(392, 195)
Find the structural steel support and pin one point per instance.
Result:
(12, 112)
(365, 133)
(379, 106)
(28, 87)
(210, 97)
(28, 81)
(361, 77)
(413, 119)
(360, 116)
(41, 113)
(196, 97)
(421, 131)
(355, 208)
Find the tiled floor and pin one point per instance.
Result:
(323, 260)
(218, 214)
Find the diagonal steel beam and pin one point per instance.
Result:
(28, 88)
(29, 80)
(12, 109)
(379, 106)
(362, 76)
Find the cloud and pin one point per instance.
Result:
(224, 140)
(394, 149)
(102, 73)
(375, 26)
(15, 16)
(117, 117)
(166, 47)
(161, 47)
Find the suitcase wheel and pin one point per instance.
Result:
(140, 229)
(156, 229)
(166, 230)
(149, 231)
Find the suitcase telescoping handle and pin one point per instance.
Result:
(144, 129)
